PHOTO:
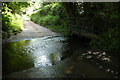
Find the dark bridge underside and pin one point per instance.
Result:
(85, 34)
(87, 27)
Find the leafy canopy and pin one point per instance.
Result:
(15, 7)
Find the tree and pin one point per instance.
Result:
(15, 7)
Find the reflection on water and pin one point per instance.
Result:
(54, 51)
(15, 57)
(42, 60)
(38, 52)
(46, 51)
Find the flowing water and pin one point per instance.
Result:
(56, 57)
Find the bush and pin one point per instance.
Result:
(109, 41)
(11, 24)
(52, 16)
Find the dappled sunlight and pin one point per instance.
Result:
(42, 60)
(100, 59)
(60, 40)
(60, 55)
(26, 17)
(68, 70)
(98, 55)
(45, 51)
(25, 29)
(30, 10)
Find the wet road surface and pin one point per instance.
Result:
(32, 30)
(37, 52)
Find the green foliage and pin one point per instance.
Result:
(52, 16)
(101, 13)
(109, 41)
(12, 20)
(55, 17)
(11, 24)
(15, 7)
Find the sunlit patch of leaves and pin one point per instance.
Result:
(96, 55)
(100, 59)
(68, 70)
(52, 16)
(11, 24)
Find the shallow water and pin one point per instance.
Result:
(57, 56)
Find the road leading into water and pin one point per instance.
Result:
(54, 56)
(32, 30)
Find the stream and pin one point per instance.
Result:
(56, 57)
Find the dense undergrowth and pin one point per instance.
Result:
(11, 24)
(12, 19)
(52, 16)
(110, 37)
(109, 42)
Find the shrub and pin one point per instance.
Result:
(109, 41)
(11, 24)
(52, 16)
